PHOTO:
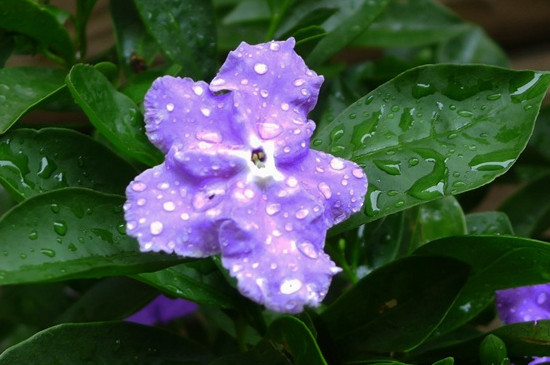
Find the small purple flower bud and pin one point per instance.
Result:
(239, 178)
(162, 310)
(524, 304)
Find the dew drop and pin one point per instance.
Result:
(273, 208)
(184, 216)
(211, 137)
(264, 93)
(121, 228)
(55, 208)
(413, 161)
(465, 113)
(292, 182)
(72, 247)
(290, 286)
(299, 82)
(205, 112)
(198, 90)
(541, 298)
(325, 190)
(156, 228)
(33, 235)
(139, 186)
(285, 106)
(169, 206)
(302, 213)
(60, 228)
(260, 68)
(269, 130)
(48, 252)
(336, 164)
(358, 173)
(308, 250)
(317, 142)
(274, 46)
(170, 107)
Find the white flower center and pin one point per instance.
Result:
(261, 164)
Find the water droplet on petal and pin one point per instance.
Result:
(156, 228)
(212, 137)
(325, 190)
(198, 90)
(358, 173)
(264, 93)
(139, 186)
(541, 298)
(217, 82)
(302, 213)
(269, 130)
(292, 182)
(273, 208)
(205, 112)
(336, 164)
(308, 249)
(290, 286)
(285, 106)
(260, 68)
(169, 206)
(184, 216)
(274, 46)
(299, 82)
(170, 107)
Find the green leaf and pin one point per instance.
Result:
(384, 240)
(135, 46)
(437, 219)
(22, 88)
(498, 262)
(29, 18)
(112, 113)
(109, 299)
(7, 45)
(489, 223)
(32, 162)
(199, 281)
(435, 130)
(185, 31)
(529, 208)
(351, 20)
(541, 135)
(70, 233)
(83, 11)
(264, 353)
(248, 11)
(445, 361)
(294, 336)
(400, 305)
(472, 46)
(105, 343)
(492, 351)
(411, 23)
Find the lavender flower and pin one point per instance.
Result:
(524, 304)
(239, 178)
(162, 310)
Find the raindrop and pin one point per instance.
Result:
(269, 130)
(72, 247)
(48, 252)
(493, 97)
(272, 209)
(54, 207)
(205, 112)
(358, 173)
(299, 82)
(23, 256)
(47, 167)
(336, 134)
(465, 113)
(290, 286)
(337, 164)
(170, 107)
(60, 228)
(302, 213)
(198, 90)
(169, 206)
(413, 161)
(308, 250)
(33, 235)
(211, 137)
(325, 190)
(260, 68)
(156, 228)
(317, 142)
(121, 228)
(139, 186)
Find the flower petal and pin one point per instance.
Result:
(341, 184)
(167, 213)
(273, 245)
(273, 90)
(180, 111)
(524, 304)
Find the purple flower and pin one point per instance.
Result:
(239, 178)
(162, 310)
(524, 304)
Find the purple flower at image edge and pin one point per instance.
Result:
(524, 304)
(162, 310)
(240, 180)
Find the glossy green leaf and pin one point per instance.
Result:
(264, 353)
(70, 233)
(7, 45)
(296, 338)
(109, 299)
(445, 361)
(433, 131)
(22, 88)
(400, 304)
(436, 219)
(83, 12)
(492, 351)
(30, 18)
(529, 208)
(521, 339)
(105, 343)
(135, 46)
(248, 11)
(497, 262)
(32, 162)
(351, 20)
(541, 135)
(411, 23)
(489, 223)
(472, 46)
(199, 281)
(112, 113)
(185, 31)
